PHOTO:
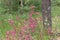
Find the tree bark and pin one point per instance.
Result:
(46, 13)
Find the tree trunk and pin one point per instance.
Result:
(46, 13)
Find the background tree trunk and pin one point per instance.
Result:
(46, 13)
(21, 6)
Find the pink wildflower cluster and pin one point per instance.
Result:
(20, 35)
(32, 24)
(32, 21)
(24, 32)
(9, 34)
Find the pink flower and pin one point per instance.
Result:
(8, 32)
(11, 22)
(7, 38)
(13, 33)
(24, 28)
(32, 23)
(20, 39)
(32, 26)
(21, 33)
(49, 30)
(28, 37)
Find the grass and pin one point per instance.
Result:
(55, 17)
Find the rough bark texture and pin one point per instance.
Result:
(46, 13)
